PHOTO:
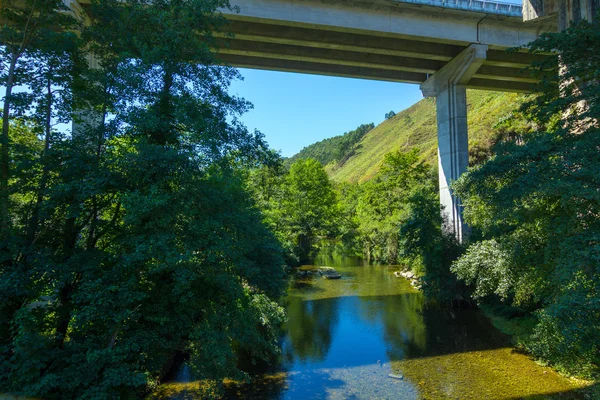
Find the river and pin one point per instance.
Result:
(344, 339)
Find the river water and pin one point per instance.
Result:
(344, 339)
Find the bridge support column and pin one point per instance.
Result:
(86, 120)
(567, 10)
(447, 86)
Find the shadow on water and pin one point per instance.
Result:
(410, 328)
(311, 385)
(306, 285)
(310, 328)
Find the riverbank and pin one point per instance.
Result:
(519, 328)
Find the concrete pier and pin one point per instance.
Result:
(453, 153)
(448, 87)
(565, 11)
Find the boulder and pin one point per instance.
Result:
(329, 273)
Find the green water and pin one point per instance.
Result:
(345, 337)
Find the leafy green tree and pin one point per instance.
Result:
(390, 115)
(347, 221)
(32, 34)
(146, 242)
(382, 205)
(537, 205)
(307, 209)
(266, 183)
(427, 249)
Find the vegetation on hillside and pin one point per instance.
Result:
(335, 150)
(416, 127)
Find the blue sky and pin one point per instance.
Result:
(295, 110)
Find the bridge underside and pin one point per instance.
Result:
(377, 39)
(443, 50)
(269, 45)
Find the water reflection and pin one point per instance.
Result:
(401, 318)
(345, 337)
(374, 324)
(343, 334)
(309, 332)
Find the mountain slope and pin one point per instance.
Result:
(332, 150)
(416, 127)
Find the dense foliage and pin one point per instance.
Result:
(336, 149)
(133, 238)
(383, 204)
(537, 206)
(395, 218)
(300, 206)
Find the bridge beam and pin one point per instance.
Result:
(447, 85)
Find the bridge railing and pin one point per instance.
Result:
(488, 7)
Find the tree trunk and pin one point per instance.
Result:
(162, 134)
(5, 154)
(35, 217)
(65, 309)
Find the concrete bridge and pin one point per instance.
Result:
(445, 46)
(382, 39)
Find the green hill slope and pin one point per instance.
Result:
(416, 127)
(333, 150)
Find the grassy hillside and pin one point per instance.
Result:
(416, 127)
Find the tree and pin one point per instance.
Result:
(307, 208)
(32, 32)
(382, 204)
(427, 249)
(537, 206)
(146, 242)
(348, 221)
(390, 115)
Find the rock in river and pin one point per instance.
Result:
(329, 273)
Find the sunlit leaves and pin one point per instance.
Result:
(537, 204)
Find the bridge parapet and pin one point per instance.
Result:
(482, 6)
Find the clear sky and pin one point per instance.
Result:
(295, 110)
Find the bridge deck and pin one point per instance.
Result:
(315, 51)
(400, 41)
(488, 7)
(392, 40)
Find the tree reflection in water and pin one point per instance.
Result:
(309, 334)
